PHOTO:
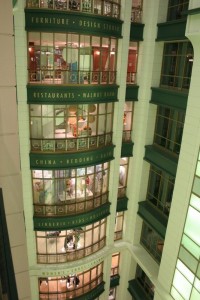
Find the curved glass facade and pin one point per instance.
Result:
(72, 285)
(70, 128)
(69, 58)
(70, 191)
(69, 245)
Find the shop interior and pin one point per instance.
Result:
(56, 187)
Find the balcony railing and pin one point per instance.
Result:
(131, 78)
(70, 207)
(73, 292)
(71, 144)
(70, 255)
(136, 14)
(126, 136)
(104, 8)
(60, 76)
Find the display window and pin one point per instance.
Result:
(65, 128)
(123, 173)
(68, 58)
(70, 245)
(131, 77)
(71, 285)
(72, 190)
(105, 8)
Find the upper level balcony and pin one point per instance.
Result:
(97, 7)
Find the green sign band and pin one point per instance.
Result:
(64, 223)
(44, 161)
(54, 94)
(63, 21)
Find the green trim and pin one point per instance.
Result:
(127, 149)
(66, 21)
(169, 98)
(193, 11)
(132, 92)
(172, 30)
(161, 159)
(122, 204)
(72, 221)
(137, 291)
(6, 264)
(136, 32)
(75, 94)
(53, 161)
(92, 294)
(153, 217)
(14, 2)
(114, 280)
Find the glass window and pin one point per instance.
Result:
(132, 63)
(69, 186)
(175, 9)
(136, 13)
(104, 7)
(169, 128)
(144, 282)
(152, 242)
(123, 173)
(66, 245)
(127, 121)
(177, 65)
(70, 285)
(68, 58)
(112, 293)
(54, 127)
(115, 264)
(160, 189)
(119, 221)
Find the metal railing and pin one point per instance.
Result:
(104, 8)
(70, 207)
(70, 255)
(75, 144)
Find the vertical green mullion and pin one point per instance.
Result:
(181, 66)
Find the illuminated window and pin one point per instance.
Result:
(67, 58)
(70, 191)
(53, 128)
(71, 285)
(119, 221)
(70, 245)
(132, 63)
(123, 173)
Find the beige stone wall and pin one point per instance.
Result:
(10, 173)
